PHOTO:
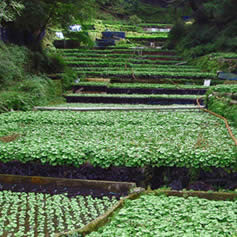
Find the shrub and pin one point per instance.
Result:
(22, 82)
(175, 35)
(219, 101)
(13, 100)
(55, 63)
(68, 77)
(217, 33)
(13, 60)
(46, 63)
(34, 90)
(134, 19)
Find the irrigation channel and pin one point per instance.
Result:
(142, 127)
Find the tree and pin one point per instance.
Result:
(38, 15)
(117, 8)
(10, 9)
(214, 28)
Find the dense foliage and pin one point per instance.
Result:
(214, 29)
(152, 215)
(223, 89)
(36, 214)
(222, 100)
(37, 16)
(137, 11)
(131, 139)
(10, 9)
(215, 62)
(22, 82)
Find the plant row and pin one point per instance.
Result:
(120, 55)
(152, 215)
(125, 65)
(146, 74)
(129, 139)
(134, 69)
(148, 36)
(142, 32)
(118, 50)
(128, 60)
(139, 85)
(94, 105)
(112, 23)
(158, 25)
(135, 95)
(31, 214)
(174, 81)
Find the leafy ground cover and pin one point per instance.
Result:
(130, 139)
(152, 215)
(229, 55)
(31, 214)
(218, 61)
(225, 88)
(134, 69)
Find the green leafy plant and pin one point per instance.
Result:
(220, 99)
(108, 139)
(24, 214)
(152, 215)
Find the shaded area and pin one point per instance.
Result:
(195, 179)
(175, 178)
(129, 100)
(54, 189)
(139, 90)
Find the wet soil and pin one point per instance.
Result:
(175, 178)
(130, 100)
(116, 90)
(54, 189)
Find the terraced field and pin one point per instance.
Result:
(31, 214)
(136, 72)
(152, 215)
(121, 64)
(122, 139)
(162, 138)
